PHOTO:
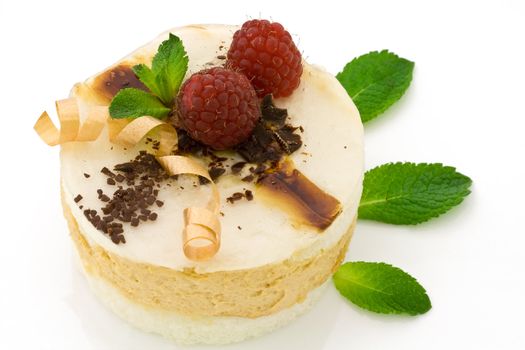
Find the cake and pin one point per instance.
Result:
(283, 229)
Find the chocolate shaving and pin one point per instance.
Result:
(237, 167)
(248, 178)
(235, 197)
(215, 172)
(273, 114)
(272, 138)
(130, 202)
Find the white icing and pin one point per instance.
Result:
(332, 157)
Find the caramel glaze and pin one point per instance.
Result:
(110, 82)
(290, 190)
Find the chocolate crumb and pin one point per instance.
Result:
(249, 195)
(119, 178)
(272, 138)
(78, 198)
(260, 169)
(139, 180)
(215, 172)
(248, 178)
(125, 167)
(237, 167)
(107, 172)
(240, 228)
(87, 176)
(235, 197)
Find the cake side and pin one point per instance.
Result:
(248, 293)
(196, 330)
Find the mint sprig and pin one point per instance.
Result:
(375, 81)
(163, 79)
(381, 288)
(409, 194)
(134, 103)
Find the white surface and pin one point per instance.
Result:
(262, 225)
(464, 108)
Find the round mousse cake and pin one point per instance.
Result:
(286, 218)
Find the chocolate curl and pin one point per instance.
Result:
(202, 231)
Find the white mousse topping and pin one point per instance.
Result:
(253, 233)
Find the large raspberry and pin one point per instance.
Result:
(266, 53)
(218, 107)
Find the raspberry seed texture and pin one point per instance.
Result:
(265, 52)
(218, 107)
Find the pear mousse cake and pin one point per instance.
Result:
(210, 181)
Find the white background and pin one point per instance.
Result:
(464, 108)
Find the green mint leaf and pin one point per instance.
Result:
(134, 103)
(169, 67)
(147, 77)
(408, 193)
(381, 288)
(375, 81)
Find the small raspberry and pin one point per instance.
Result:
(218, 107)
(266, 53)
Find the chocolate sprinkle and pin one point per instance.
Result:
(235, 197)
(87, 176)
(78, 198)
(248, 178)
(130, 202)
(215, 172)
(237, 167)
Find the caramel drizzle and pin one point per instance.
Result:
(298, 196)
(202, 229)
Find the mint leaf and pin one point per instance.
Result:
(147, 77)
(375, 81)
(168, 69)
(134, 103)
(381, 288)
(408, 193)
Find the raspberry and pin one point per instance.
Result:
(218, 107)
(265, 52)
